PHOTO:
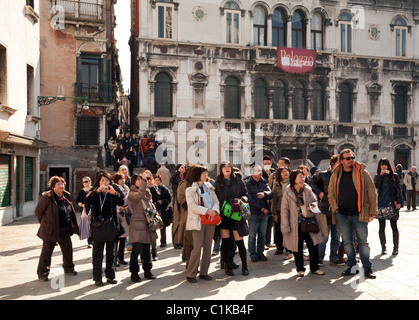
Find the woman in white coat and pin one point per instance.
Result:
(201, 200)
(297, 201)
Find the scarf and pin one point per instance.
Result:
(300, 196)
(205, 196)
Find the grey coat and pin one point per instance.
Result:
(289, 218)
(138, 228)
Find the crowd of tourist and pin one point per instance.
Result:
(339, 201)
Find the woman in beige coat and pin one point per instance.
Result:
(202, 200)
(297, 201)
(139, 235)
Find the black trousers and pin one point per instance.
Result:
(142, 249)
(47, 250)
(313, 251)
(98, 258)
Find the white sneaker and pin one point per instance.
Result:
(319, 272)
(300, 274)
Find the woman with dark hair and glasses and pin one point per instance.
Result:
(201, 200)
(387, 183)
(103, 199)
(298, 201)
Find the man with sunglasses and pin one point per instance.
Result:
(353, 199)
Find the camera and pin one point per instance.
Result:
(106, 188)
(100, 218)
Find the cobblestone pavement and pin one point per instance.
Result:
(397, 276)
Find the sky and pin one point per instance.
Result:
(122, 34)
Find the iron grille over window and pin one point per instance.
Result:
(87, 131)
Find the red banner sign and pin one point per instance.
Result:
(294, 60)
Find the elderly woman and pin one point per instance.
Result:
(55, 213)
(202, 200)
(296, 202)
(139, 234)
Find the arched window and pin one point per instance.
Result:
(345, 25)
(317, 105)
(259, 26)
(317, 31)
(261, 100)
(163, 95)
(400, 33)
(279, 28)
(298, 30)
(400, 109)
(280, 109)
(345, 103)
(232, 13)
(299, 106)
(231, 98)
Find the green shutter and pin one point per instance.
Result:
(28, 179)
(5, 183)
(231, 99)
(345, 104)
(299, 107)
(400, 106)
(261, 100)
(163, 95)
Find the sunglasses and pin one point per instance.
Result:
(349, 158)
(85, 181)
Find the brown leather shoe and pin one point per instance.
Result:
(207, 277)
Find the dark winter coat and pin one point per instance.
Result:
(320, 183)
(47, 214)
(253, 188)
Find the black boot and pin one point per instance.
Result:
(245, 271)
(382, 236)
(225, 243)
(395, 243)
(243, 256)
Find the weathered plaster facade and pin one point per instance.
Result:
(198, 59)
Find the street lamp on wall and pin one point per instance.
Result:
(47, 100)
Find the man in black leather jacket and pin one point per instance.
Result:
(319, 182)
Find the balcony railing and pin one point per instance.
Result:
(87, 9)
(296, 128)
(96, 92)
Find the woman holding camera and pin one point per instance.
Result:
(231, 188)
(388, 189)
(139, 234)
(104, 199)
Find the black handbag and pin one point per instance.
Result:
(106, 230)
(309, 224)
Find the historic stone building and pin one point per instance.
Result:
(214, 65)
(79, 77)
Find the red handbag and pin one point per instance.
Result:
(206, 219)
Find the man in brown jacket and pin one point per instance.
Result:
(353, 200)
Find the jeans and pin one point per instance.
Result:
(334, 244)
(349, 227)
(257, 228)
